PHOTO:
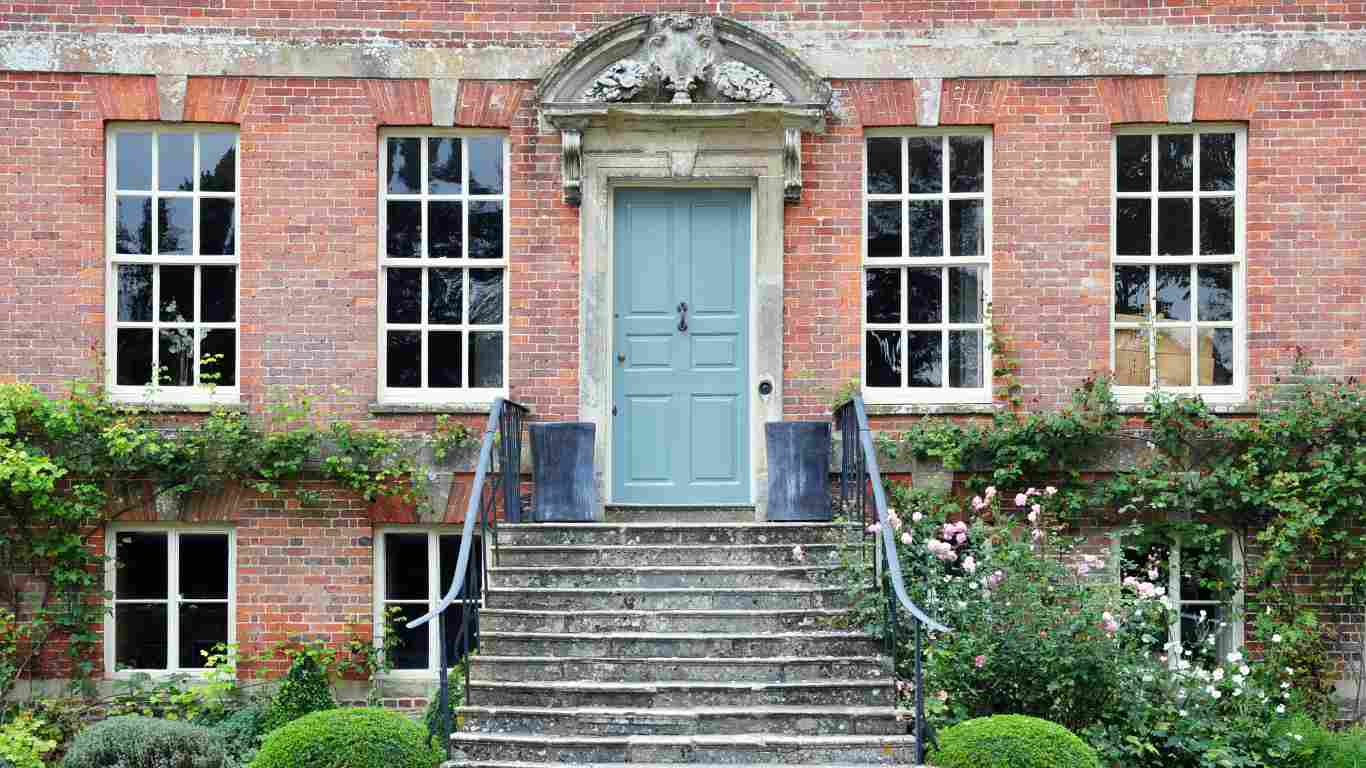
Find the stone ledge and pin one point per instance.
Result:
(932, 409)
(1220, 409)
(171, 408)
(391, 409)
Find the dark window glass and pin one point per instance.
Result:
(175, 225)
(443, 359)
(1131, 294)
(1216, 225)
(967, 226)
(1174, 293)
(218, 162)
(218, 294)
(1216, 356)
(924, 156)
(141, 567)
(413, 644)
(486, 230)
(405, 166)
(133, 225)
(965, 359)
(403, 359)
(135, 357)
(203, 566)
(1174, 219)
(134, 161)
(924, 303)
(486, 296)
(140, 636)
(967, 164)
(884, 166)
(965, 294)
(924, 354)
(177, 357)
(883, 358)
(403, 225)
(486, 359)
(926, 224)
(403, 295)
(486, 164)
(135, 293)
(882, 295)
(202, 627)
(218, 357)
(175, 162)
(473, 589)
(217, 228)
(1218, 164)
(405, 566)
(1175, 162)
(884, 230)
(1216, 293)
(443, 166)
(177, 294)
(445, 295)
(1133, 227)
(447, 221)
(1134, 163)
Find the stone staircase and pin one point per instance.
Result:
(666, 636)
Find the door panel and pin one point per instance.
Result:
(680, 433)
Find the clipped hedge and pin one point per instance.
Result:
(133, 741)
(1011, 741)
(358, 737)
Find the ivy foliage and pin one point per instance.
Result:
(305, 690)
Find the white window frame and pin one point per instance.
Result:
(173, 532)
(161, 393)
(452, 396)
(943, 394)
(1235, 393)
(435, 590)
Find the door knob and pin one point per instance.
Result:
(621, 358)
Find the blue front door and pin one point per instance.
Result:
(680, 434)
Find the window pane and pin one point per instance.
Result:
(1131, 294)
(177, 294)
(966, 163)
(486, 230)
(218, 162)
(1133, 227)
(405, 166)
(1216, 225)
(133, 225)
(965, 295)
(884, 166)
(447, 221)
(403, 295)
(450, 553)
(134, 160)
(413, 644)
(1134, 163)
(443, 166)
(486, 359)
(403, 229)
(925, 359)
(884, 230)
(1174, 293)
(486, 165)
(1217, 162)
(1216, 357)
(923, 301)
(445, 295)
(135, 293)
(1216, 293)
(134, 357)
(140, 568)
(204, 566)
(1174, 357)
(968, 222)
(882, 296)
(175, 162)
(926, 222)
(882, 358)
(175, 225)
(218, 357)
(1175, 162)
(218, 294)
(1131, 357)
(405, 566)
(965, 359)
(444, 354)
(925, 157)
(1174, 220)
(486, 296)
(403, 359)
(177, 357)
(202, 626)
(140, 636)
(217, 230)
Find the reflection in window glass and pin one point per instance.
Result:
(164, 575)
(419, 567)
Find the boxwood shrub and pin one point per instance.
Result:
(358, 737)
(133, 741)
(1011, 741)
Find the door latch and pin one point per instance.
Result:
(682, 317)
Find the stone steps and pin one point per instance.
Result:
(678, 513)
(671, 533)
(664, 721)
(867, 692)
(487, 667)
(539, 599)
(727, 749)
(736, 621)
(661, 577)
(633, 644)
(584, 556)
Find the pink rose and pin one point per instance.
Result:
(980, 661)
(990, 492)
(969, 565)
(1050, 490)
(906, 538)
(1021, 499)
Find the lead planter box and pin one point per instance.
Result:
(562, 470)
(798, 471)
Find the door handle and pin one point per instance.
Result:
(682, 317)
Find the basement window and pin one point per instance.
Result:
(414, 570)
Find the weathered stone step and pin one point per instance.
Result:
(682, 599)
(635, 534)
(656, 670)
(584, 721)
(661, 577)
(717, 749)
(746, 622)
(674, 694)
(635, 645)
(670, 554)
(679, 513)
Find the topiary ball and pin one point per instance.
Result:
(359, 737)
(1011, 741)
(133, 741)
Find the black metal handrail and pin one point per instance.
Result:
(500, 458)
(858, 473)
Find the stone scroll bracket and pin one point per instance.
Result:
(792, 165)
(571, 165)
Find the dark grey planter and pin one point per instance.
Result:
(798, 471)
(562, 470)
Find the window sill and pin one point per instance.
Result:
(233, 406)
(1232, 408)
(391, 409)
(888, 408)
